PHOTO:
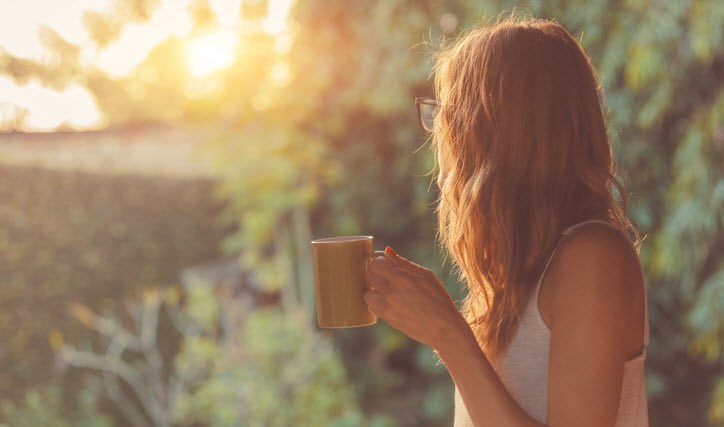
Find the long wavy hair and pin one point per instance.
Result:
(522, 151)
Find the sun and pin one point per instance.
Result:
(211, 52)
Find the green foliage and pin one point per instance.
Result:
(709, 336)
(71, 237)
(275, 371)
(47, 407)
(266, 368)
(333, 152)
(716, 412)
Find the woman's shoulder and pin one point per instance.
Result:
(595, 311)
(596, 244)
(595, 260)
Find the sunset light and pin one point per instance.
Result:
(190, 188)
(211, 52)
(35, 106)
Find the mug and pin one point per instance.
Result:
(340, 280)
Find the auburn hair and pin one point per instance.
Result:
(522, 151)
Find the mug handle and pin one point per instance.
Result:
(370, 256)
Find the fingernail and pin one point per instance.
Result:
(390, 251)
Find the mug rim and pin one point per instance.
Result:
(341, 239)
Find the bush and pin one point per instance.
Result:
(46, 407)
(94, 239)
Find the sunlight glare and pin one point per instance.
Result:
(74, 106)
(276, 20)
(211, 52)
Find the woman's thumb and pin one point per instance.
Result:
(399, 259)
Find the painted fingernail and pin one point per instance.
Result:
(390, 251)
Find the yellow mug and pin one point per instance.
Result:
(340, 270)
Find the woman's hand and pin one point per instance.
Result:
(411, 299)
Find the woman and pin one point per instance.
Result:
(554, 328)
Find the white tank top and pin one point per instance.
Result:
(523, 367)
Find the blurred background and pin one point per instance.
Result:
(164, 165)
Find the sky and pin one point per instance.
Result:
(19, 23)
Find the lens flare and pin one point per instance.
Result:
(211, 52)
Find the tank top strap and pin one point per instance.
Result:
(574, 226)
(548, 263)
(553, 252)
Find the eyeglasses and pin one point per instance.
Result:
(427, 109)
